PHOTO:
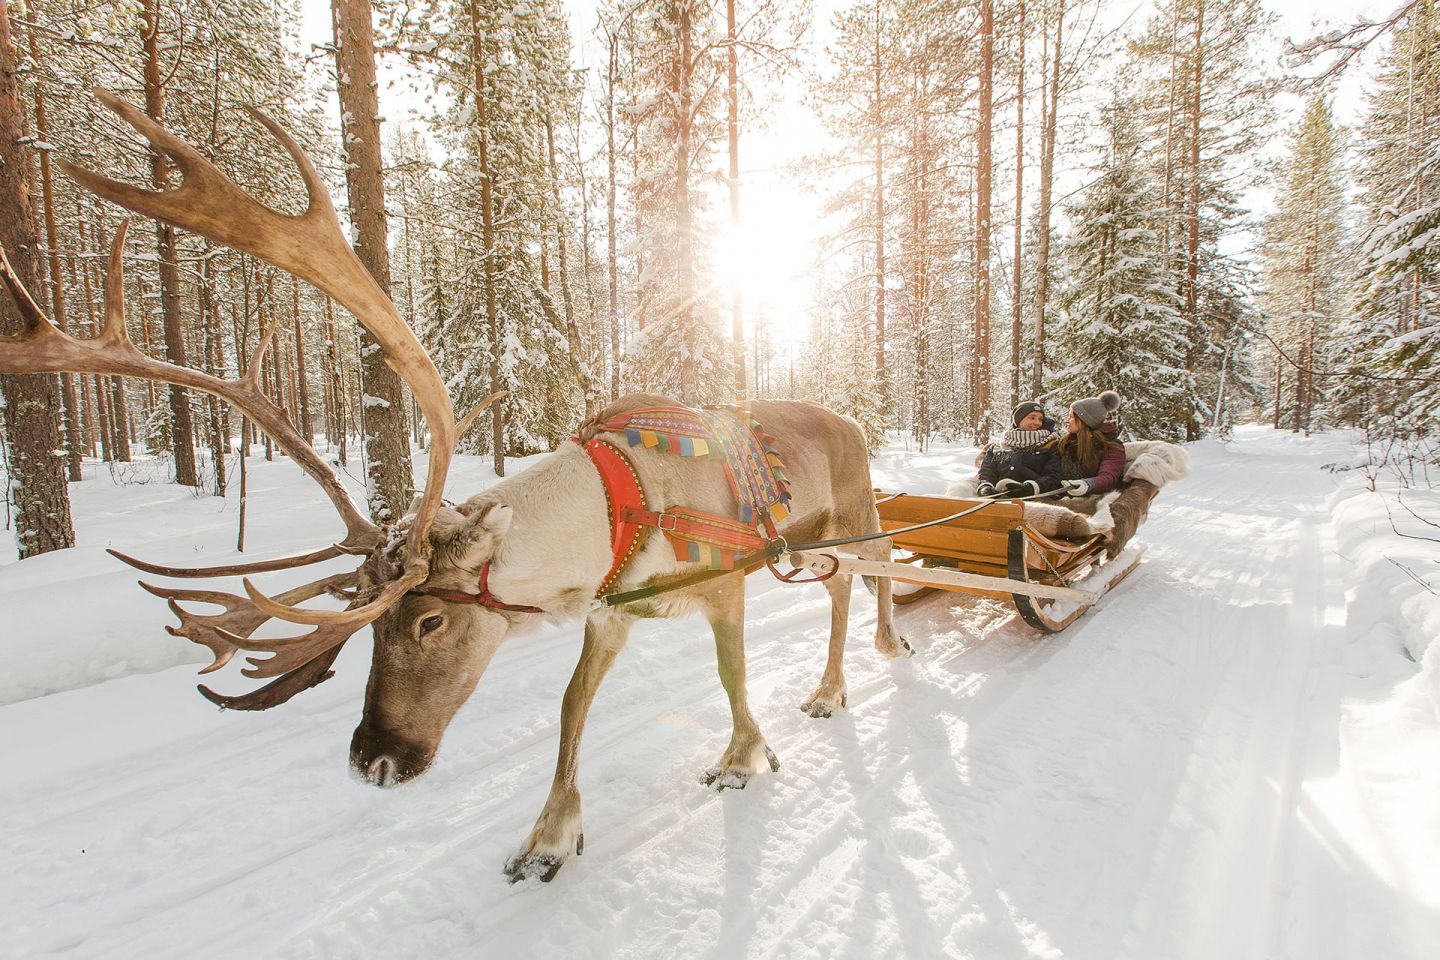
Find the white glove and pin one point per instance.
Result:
(1076, 488)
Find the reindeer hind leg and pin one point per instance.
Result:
(747, 754)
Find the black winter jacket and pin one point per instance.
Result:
(1040, 463)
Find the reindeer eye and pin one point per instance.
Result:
(431, 623)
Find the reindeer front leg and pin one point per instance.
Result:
(557, 830)
(748, 753)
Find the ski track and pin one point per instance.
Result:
(1135, 787)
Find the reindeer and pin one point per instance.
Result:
(431, 585)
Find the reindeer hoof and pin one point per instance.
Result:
(821, 708)
(533, 866)
(724, 779)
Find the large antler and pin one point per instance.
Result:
(311, 246)
(41, 347)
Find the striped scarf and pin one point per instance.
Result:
(1017, 439)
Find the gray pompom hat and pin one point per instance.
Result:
(1093, 411)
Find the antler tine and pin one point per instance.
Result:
(231, 569)
(319, 206)
(355, 618)
(114, 331)
(292, 653)
(36, 323)
(278, 691)
(228, 633)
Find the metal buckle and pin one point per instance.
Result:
(660, 522)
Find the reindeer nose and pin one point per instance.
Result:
(381, 772)
(386, 760)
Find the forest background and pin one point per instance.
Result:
(917, 212)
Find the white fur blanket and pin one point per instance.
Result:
(1154, 461)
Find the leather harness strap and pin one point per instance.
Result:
(482, 599)
(712, 529)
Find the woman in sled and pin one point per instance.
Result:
(1093, 463)
(1091, 459)
(1025, 461)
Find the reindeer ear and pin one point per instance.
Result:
(494, 522)
(479, 537)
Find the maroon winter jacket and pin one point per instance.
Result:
(1112, 463)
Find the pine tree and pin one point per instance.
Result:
(1304, 257)
(1396, 329)
(1206, 107)
(682, 351)
(1120, 309)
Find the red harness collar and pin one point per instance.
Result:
(624, 499)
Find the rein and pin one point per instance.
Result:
(745, 566)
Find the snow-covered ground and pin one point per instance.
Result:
(1236, 755)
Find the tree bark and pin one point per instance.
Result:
(1047, 177)
(982, 218)
(42, 500)
(389, 480)
(878, 128)
(302, 384)
(182, 431)
(1018, 290)
(732, 125)
(611, 245)
(73, 438)
(1192, 212)
(478, 36)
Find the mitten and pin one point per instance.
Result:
(985, 490)
(1030, 489)
(1006, 484)
(1076, 488)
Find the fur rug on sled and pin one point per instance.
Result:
(1149, 465)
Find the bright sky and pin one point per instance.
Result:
(775, 252)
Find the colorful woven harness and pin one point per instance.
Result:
(752, 468)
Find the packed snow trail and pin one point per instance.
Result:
(1197, 768)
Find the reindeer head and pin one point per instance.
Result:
(432, 647)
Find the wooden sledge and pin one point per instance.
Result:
(989, 553)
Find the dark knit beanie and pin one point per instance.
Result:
(1093, 411)
(1023, 411)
